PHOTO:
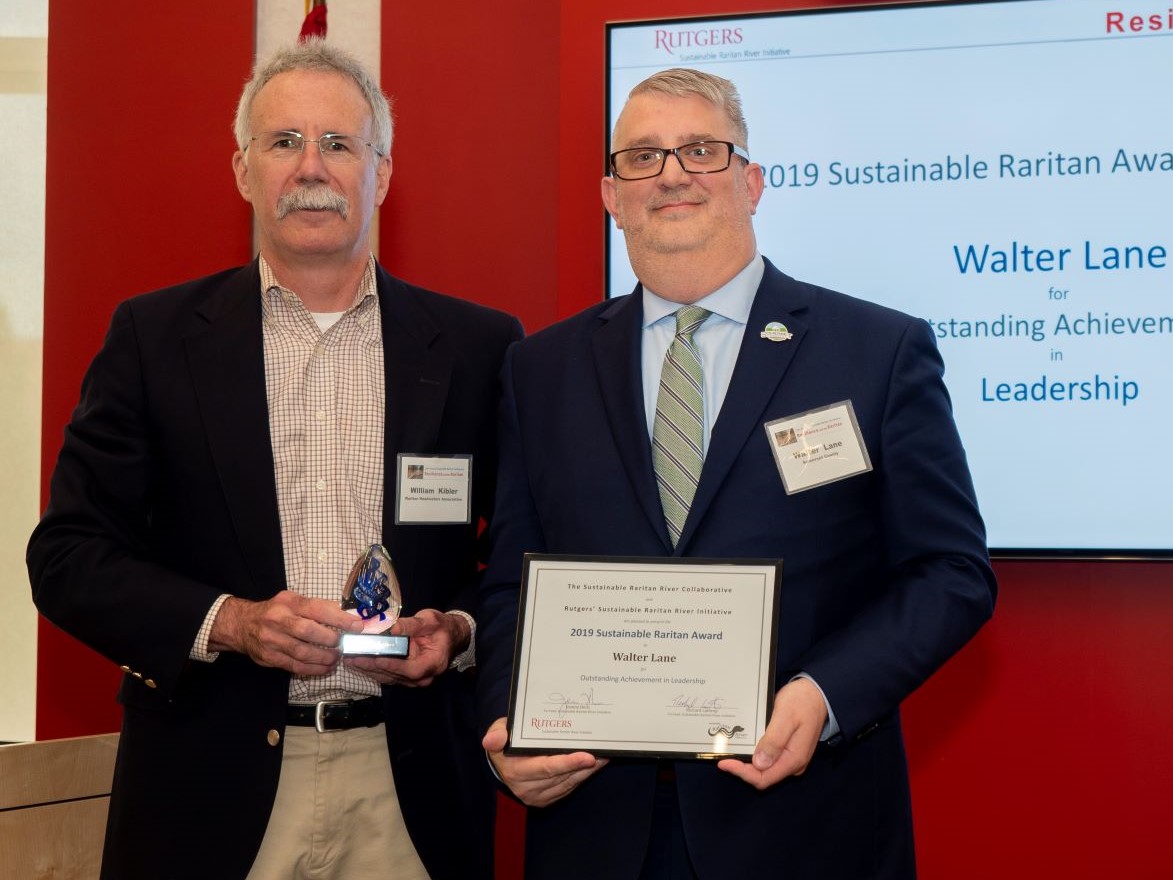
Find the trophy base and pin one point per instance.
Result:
(373, 645)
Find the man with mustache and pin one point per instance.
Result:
(646, 427)
(241, 440)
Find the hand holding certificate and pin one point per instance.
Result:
(637, 656)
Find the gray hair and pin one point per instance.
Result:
(317, 54)
(681, 82)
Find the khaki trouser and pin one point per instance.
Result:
(337, 815)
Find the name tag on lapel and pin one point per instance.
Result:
(433, 489)
(818, 447)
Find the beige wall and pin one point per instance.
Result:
(23, 33)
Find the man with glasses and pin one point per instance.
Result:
(646, 427)
(241, 441)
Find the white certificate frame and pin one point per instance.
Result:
(644, 656)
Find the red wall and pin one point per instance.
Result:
(139, 194)
(1040, 751)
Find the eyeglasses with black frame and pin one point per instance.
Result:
(341, 148)
(699, 157)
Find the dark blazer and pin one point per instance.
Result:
(885, 574)
(164, 497)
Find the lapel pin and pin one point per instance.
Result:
(776, 332)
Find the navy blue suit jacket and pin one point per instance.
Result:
(885, 574)
(164, 497)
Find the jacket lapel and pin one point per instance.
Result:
(758, 372)
(417, 373)
(227, 363)
(616, 345)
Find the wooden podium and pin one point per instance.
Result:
(53, 801)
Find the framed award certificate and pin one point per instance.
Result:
(644, 656)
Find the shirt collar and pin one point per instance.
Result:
(367, 286)
(731, 301)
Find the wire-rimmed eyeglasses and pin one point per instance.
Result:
(333, 147)
(700, 157)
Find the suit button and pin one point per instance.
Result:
(273, 738)
(149, 682)
(124, 668)
(137, 675)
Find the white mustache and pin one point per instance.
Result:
(312, 198)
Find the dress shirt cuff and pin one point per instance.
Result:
(467, 658)
(831, 725)
(199, 651)
(493, 770)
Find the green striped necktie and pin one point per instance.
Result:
(678, 431)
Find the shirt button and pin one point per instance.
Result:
(321, 415)
(273, 737)
(322, 556)
(319, 350)
(320, 485)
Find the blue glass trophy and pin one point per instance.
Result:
(372, 593)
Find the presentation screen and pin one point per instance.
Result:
(1003, 170)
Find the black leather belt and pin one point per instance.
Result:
(336, 714)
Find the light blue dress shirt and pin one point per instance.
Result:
(718, 339)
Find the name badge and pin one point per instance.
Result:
(433, 489)
(818, 447)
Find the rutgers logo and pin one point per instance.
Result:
(548, 723)
(702, 38)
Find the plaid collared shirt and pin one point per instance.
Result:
(326, 397)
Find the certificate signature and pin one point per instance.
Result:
(697, 704)
(583, 701)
